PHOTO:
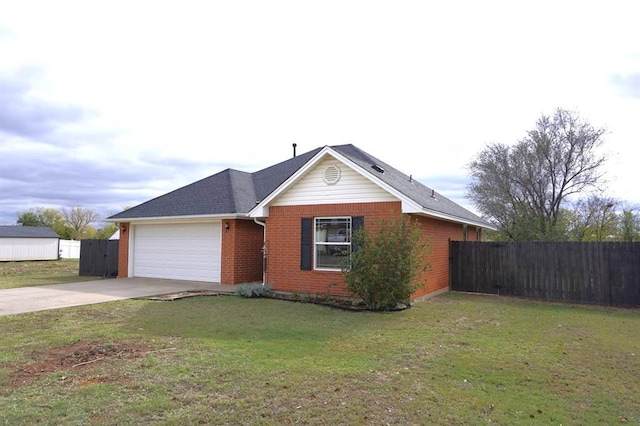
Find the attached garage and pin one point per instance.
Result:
(177, 251)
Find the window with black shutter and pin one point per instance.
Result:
(326, 241)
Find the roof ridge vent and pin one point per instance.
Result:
(377, 168)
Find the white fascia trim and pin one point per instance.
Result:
(182, 219)
(408, 205)
(455, 219)
(262, 208)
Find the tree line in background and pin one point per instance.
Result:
(70, 224)
(549, 186)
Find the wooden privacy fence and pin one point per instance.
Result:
(599, 273)
(99, 258)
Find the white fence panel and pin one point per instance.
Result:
(69, 249)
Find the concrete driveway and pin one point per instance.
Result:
(40, 298)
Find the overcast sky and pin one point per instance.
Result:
(108, 104)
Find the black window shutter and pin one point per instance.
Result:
(357, 222)
(306, 244)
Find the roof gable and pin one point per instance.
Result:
(262, 208)
(415, 197)
(27, 232)
(331, 179)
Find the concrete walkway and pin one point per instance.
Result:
(40, 298)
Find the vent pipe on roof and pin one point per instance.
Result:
(294, 149)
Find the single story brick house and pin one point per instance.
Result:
(286, 225)
(19, 243)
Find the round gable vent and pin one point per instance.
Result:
(331, 175)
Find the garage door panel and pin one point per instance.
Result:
(185, 251)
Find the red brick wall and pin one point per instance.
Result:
(123, 251)
(439, 232)
(241, 252)
(283, 245)
(242, 243)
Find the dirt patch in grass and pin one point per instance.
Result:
(77, 355)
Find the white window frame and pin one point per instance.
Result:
(317, 243)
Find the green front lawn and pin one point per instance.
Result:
(42, 272)
(455, 359)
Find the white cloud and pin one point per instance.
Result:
(176, 91)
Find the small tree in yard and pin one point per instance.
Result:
(386, 262)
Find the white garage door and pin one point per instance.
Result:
(181, 252)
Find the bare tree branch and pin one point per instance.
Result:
(524, 187)
(79, 220)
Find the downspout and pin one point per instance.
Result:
(264, 247)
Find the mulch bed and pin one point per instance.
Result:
(346, 303)
(184, 294)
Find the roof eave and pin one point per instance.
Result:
(189, 218)
(452, 218)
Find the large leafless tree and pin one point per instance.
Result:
(79, 220)
(523, 187)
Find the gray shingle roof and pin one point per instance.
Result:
(419, 193)
(227, 192)
(232, 192)
(27, 232)
(209, 196)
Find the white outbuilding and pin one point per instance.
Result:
(28, 243)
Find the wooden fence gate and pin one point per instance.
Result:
(99, 258)
(599, 273)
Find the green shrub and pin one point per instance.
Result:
(253, 290)
(386, 262)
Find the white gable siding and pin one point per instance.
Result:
(351, 188)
